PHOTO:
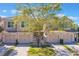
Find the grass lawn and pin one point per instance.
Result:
(41, 52)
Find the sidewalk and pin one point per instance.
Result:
(20, 50)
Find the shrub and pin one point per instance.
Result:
(71, 50)
(32, 44)
(77, 43)
(1, 29)
(41, 52)
(9, 51)
(74, 52)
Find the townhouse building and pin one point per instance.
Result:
(18, 31)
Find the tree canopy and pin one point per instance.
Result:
(41, 14)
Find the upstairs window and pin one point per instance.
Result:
(23, 24)
(10, 24)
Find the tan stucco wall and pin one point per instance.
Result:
(22, 37)
(56, 36)
(9, 37)
(26, 37)
(0, 36)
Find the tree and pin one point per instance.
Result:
(39, 14)
(40, 11)
(42, 17)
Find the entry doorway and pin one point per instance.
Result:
(75, 39)
(61, 41)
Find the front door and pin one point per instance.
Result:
(61, 41)
(75, 39)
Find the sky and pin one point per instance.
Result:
(7, 9)
(71, 10)
(68, 9)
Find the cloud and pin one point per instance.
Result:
(13, 11)
(60, 15)
(74, 17)
(4, 11)
(19, 11)
(3, 16)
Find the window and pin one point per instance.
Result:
(10, 24)
(23, 24)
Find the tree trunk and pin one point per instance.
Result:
(39, 39)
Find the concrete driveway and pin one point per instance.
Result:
(20, 50)
(61, 51)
